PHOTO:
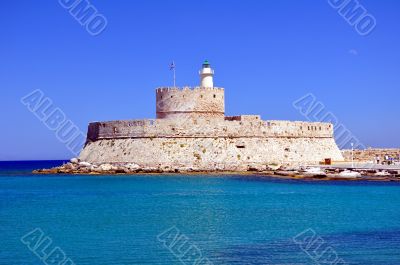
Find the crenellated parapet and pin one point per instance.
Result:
(165, 89)
(248, 126)
(186, 102)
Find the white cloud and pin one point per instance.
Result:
(353, 52)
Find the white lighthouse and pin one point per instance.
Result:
(206, 75)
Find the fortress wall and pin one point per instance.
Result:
(178, 103)
(211, 153)
(247, 126)
(300, 128)
(206, 144)
(371, 154)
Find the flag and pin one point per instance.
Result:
(172, 66)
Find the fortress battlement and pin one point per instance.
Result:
(177, 89)
(249, 126)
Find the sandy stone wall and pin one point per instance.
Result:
(212, 153)
(179, 103)
(246, 127)
(236, 143)
(371, 154)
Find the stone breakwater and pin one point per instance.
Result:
(278, 171)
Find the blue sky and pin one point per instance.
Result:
(266, 54)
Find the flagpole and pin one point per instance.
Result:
(174, 78)
(172, 67)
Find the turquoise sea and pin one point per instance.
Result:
(56, 219)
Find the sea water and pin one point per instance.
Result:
(173, 219)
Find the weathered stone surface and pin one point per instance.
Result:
(74, 160)
(105, 167)
(211, 153)
(372, 154)
(85, 164)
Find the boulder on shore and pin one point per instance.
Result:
(85, 164)
(74, 160)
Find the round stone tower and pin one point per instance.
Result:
(205, 101)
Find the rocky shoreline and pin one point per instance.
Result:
(76, 167)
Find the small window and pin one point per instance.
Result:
(201, 96)
(161, 97)
(172, 96)
(215, 96)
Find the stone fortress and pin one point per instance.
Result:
(191, 132)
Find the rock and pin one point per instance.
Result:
(107, 167)
(314, 172)
(74, 160)
(382, 173)
(256, 167)
(84, 170)
(132, 166)
(69, 166)
(121, 170)
(85, 164)
(286, 173)
(186, 169)
(63, 171)
(154, 169)
(127, 171)
(274, 166)
(96, 169)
